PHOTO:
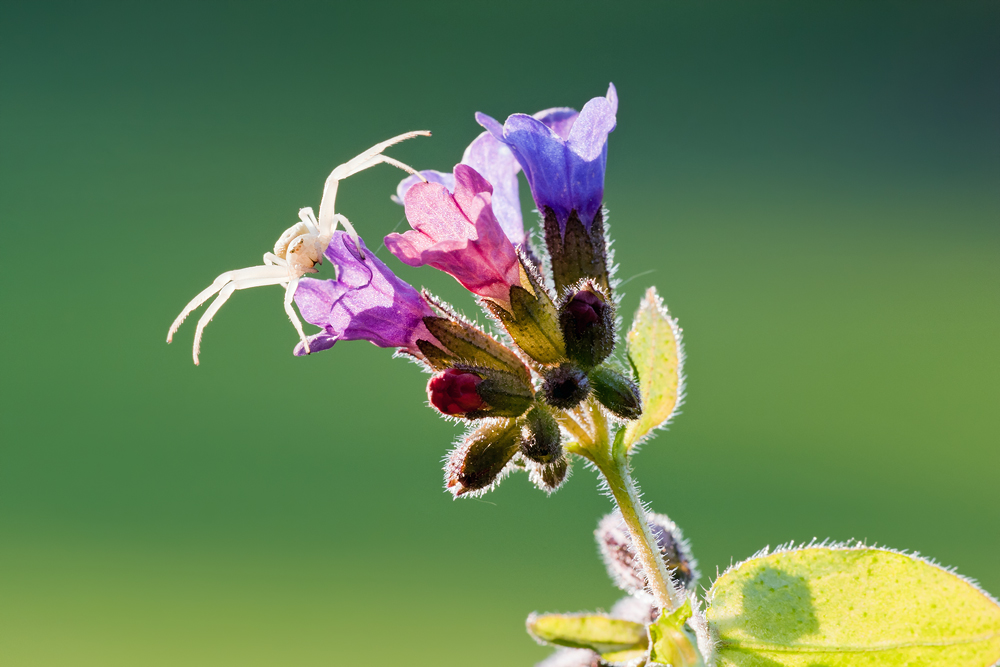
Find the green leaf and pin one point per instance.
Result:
(615, 639)
(654, 350)
(840, 606)
(670, 643)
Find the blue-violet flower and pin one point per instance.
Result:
(563, 154)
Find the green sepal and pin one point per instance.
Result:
(548, 477)
(506, 394)
(465, 344)
(541, 440)
(576, 254)
(671, 643)
(435, 357)
(616, 640)
(616, 392)
(476, 464)
(655, 352)
(532, 320)
(840, 606)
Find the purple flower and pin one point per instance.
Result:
(366, 302)
(459, 235)
(496, 163)
(563, 154)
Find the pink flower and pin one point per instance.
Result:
(460, 235)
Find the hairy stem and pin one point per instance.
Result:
(612, 461)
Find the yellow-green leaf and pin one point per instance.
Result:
(654, 349)
(615, 639)
(848, 606)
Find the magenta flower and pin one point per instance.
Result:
(447, 179)
(563, 153)
(497, 164)
(367, 301)
(460, 235)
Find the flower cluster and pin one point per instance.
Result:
(554, 332)
(542, 387)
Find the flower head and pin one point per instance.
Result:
(367, 301)
(563, 154)
(459, 234)
(497, 164)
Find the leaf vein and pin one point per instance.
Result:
(806, 648)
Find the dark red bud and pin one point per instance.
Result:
(584, 308)
(587, 319)
(453, 392)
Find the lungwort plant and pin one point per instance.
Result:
(552, 382)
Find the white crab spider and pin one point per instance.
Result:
(298, 250)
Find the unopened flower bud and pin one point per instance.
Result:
(565, 386)
(623, 566)
(616, 392)
(587, 319)
(453, 392)
(540, 437)
(481, 459)
(548, 477)
(474, 392)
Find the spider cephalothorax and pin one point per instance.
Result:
(296, 252)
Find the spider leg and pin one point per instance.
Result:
(379, 159)
(296, 322)
(218, 284)
(220, 300)
(270, 259)
(353, 166)
(308, 218)
(349, 228)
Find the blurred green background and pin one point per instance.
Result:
(815, 186)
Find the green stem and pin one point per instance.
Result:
(612, 461)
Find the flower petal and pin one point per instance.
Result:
(367, 301)
(497, 164)
(613, 97)
(458, 234)
(559, 119)
(317, 343)
(491, 125)
(589, 135)
(563, 154)
(430, 175)
(543, 156)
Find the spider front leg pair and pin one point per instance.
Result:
(296, 253)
